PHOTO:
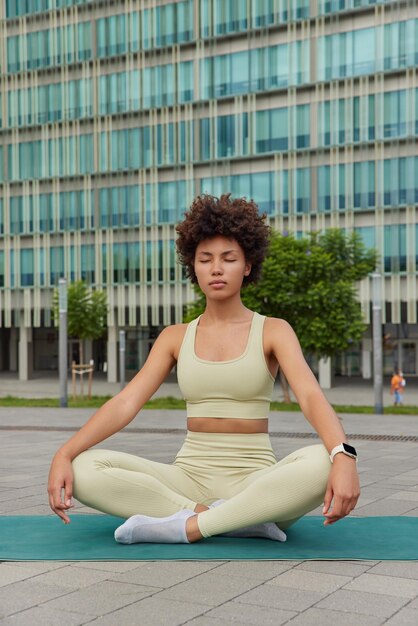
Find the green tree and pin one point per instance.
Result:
(87, 313)
(311, 283)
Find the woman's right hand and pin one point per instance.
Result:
(60, 486)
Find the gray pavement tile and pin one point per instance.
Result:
(38, 567)
(13, 571)
(401, 479)
(405, 495)
(412, 473)
(412, 513)
(25, 594)
(18, 504)
(262, 570)
(402, 569)
(118, 567)
(281, 598)
(343, 568)
(405, 617)
(9, 573)
(210, 588)
(363, 603)
(165, 574)
(386, 585)
(374, 491)
(413, 604)
(41, 509)
(13, 494)
(154, 611)
(385, 507)
(210, 621)
(39, 616)
(26, 456)
(101, 598)
(326, 617)
(73, 578)
(310, 581)
(235, 612)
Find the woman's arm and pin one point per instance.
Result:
(343, 487)
(114, 415)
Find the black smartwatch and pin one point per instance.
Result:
(345, 448)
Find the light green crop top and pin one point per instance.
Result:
(239, 388)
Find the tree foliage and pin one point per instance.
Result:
(311, 283)
(87, 312)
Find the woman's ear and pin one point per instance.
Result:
(247, 270)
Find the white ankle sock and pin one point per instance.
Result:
(268, 530)
(144, 529)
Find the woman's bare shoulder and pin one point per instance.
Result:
(278, 325)
(172, 336)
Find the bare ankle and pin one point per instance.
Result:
(199, 508)
(192, 530)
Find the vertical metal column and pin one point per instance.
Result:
(63, 356)
(377, 342)
(122, 349)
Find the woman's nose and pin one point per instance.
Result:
(216, 268)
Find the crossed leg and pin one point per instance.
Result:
(281, 493)
(124, 484)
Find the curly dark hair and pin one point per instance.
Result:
(234, 218)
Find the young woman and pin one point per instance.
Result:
(225, 479)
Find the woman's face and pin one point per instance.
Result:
(220, 266)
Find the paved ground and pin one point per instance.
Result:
(345, 390)
(208, 593)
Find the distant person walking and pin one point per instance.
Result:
(397, 385)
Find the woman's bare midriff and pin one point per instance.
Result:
(227, 425)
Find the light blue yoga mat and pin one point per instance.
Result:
(90, 538)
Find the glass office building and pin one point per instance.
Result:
(114, 115)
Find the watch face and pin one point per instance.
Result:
(349, 449)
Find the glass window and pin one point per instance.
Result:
(185, 81)
(2, 268)
(394, 107)
(171, 201)
(279, 65)
(399, 181)
(56, 264)
(111, 35)
(323, 188)
(226, 146)
(395, 248)
(303, 189)
(272, 130)
(368, 235)
(126, 262)
(364, 184)
(87, 263)
(46, 212)
(204, 137)
(16, 215)
(26, 268)
(262, 191)
(364, 54)
(303, 125)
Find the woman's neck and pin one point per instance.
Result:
(222, 312)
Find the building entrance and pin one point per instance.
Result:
(408, 357)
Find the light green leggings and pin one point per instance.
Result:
(240, 469)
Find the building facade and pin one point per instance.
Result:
(115, 114)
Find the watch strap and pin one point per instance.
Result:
(345, 449)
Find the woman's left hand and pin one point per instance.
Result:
(343, 489)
